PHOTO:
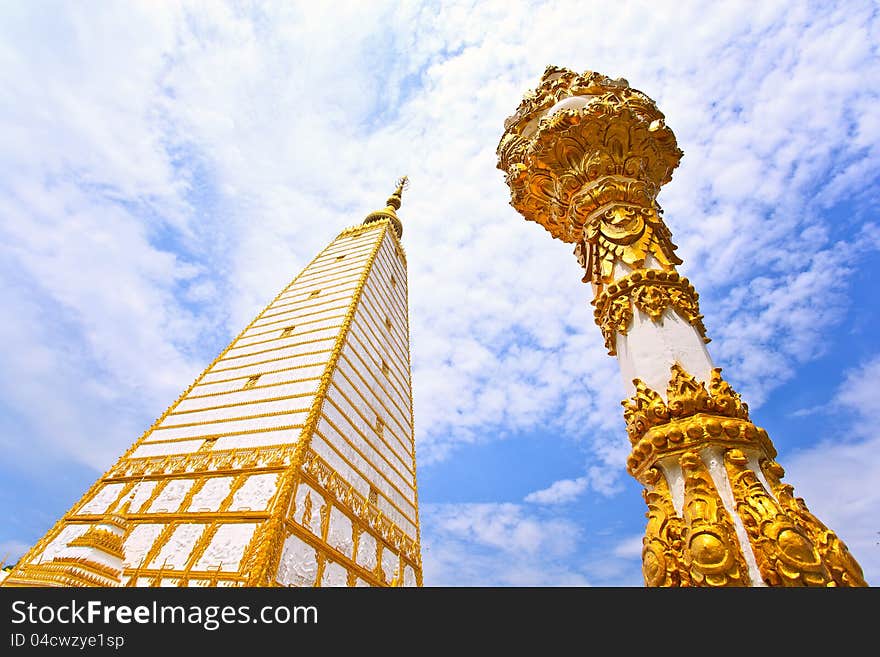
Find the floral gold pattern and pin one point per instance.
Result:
(651, 291)
(711, 551)
(842, 566)
(685, 397)
(590, 171)
(661, 547)
(785, 555)
(585, 156)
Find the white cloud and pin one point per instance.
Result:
(838, 476)
(603, 479)
(497, 545)
(559, 492)
(629, 548)
(247, 133)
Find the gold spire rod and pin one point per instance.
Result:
(391, 207)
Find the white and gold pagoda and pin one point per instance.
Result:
(585, 157)
(290, 461)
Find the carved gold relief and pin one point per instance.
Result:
(651, 291)
(711, 551)
(842, 566)
(692, 416)
(590, 171)
(784, 553)
(627, 233)
(661, 547)
(100, 539)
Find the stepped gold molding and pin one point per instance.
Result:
(363, 512)
(842, 566)
(260, 559)
(711, 552)
(651, 291)
(100, 539)
(78, 570)
(785, 555)
(264, 552)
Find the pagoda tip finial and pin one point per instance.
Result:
(395, 199)
(391, 207)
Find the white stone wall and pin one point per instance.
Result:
(211, 495)
(339, 532)
(334, 575)
(139, 542)
(255, 493)
(299, 563)
(58, 544)
(176, 551)
(170, 497)
(226, 547)
(104, 497)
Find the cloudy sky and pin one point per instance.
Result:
(165, 168)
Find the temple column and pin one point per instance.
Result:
(585, 157)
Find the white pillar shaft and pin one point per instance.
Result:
(649, 349)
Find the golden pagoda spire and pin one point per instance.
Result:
(391, 207)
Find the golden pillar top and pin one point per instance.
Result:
(585, 157)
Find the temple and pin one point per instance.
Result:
(585, 157)
(290, 461)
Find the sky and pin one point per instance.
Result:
(166, 168)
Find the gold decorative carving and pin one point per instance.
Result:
(389, 213)
(100, 539)
(627, 233)
(589, 172)
(711, 552)
(842, 566)
(691, 417)
(365, 513)
(64, 571)
(651, 291)
(661, 547)
(784, 553)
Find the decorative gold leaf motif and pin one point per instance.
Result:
(651, 291)
(585, 157)
(844, 569)
(784, 553)
(686, 397)
(643, 410)
(661, 546)
(711, 551)
(590, 171)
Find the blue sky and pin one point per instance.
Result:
(166, 167)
